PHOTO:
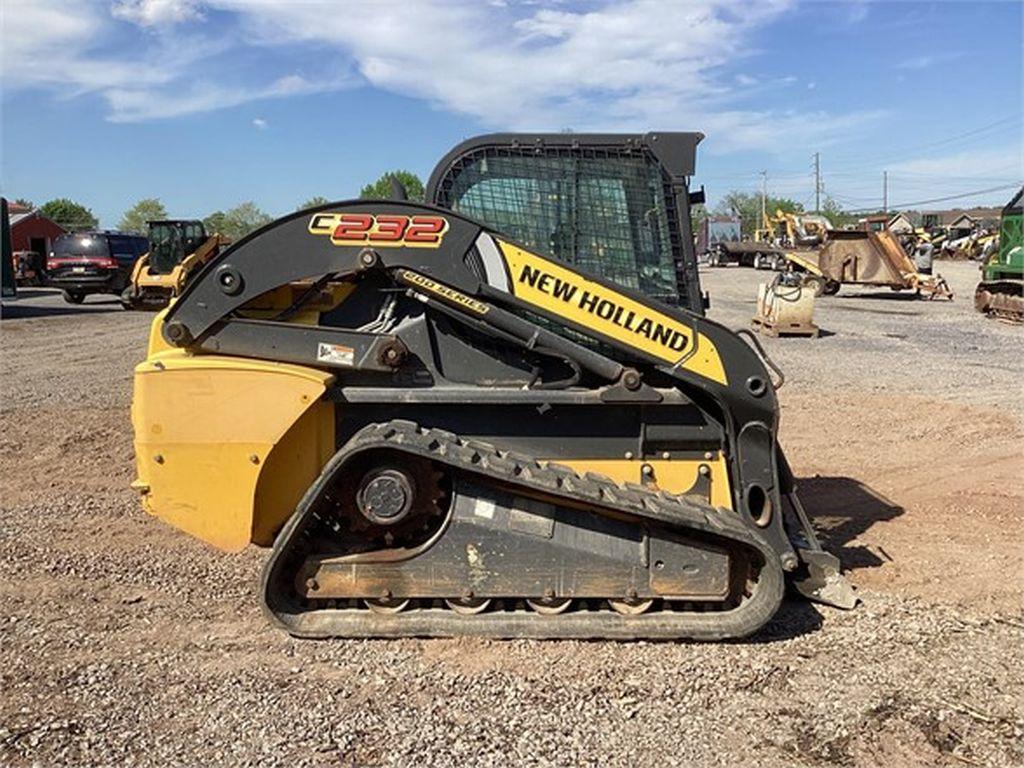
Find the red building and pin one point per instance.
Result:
(31, 231)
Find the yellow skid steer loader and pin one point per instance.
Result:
(446, 426)
(178, 249)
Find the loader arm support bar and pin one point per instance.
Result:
(477, 272)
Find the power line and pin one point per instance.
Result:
(940, 176)
(942, 142)
(1010, 121)
(948, 197)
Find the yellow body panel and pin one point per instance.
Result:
(140, 268)
(142, 278)
(157, 343)
(225, 447)
(805, 260)
(171, 282)
(564, 293)
(272, 302)
(672, 475)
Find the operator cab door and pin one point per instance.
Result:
(167, 249)
(193, 236)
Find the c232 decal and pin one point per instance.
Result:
(380, 230)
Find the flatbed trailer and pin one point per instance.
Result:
(752, 253)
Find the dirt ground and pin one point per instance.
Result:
(123, 641)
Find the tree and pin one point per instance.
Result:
(747, 206)
(834, 212)
(381, 188)
(25, 203)
(135, 218)
(237, 222)
(68, 214)
(214, 223)
(313, 202)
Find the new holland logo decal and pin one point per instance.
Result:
(380, 230)
(590, 305)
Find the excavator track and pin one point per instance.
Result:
(1001, 299)
(752, 599)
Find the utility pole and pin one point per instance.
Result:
(764, 198)
(885, 191)
(817, 182)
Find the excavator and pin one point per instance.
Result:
(801, 231)
(794, 230)
(472, 417)
(178, 249)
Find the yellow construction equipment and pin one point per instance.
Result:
(794, 230)
(178, 249)
(446, 428)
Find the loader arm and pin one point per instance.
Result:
(195, 260)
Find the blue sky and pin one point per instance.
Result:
(208, 103)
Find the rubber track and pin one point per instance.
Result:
(508, 468)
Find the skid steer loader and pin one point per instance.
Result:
(178, 249)
(443, 429)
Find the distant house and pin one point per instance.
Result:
(961, 226)
(901, 224)
(961, 219)
(873, 223)
(31, 231)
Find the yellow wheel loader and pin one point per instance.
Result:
(178, 249)
(473, 418)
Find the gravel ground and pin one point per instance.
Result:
(125, 642)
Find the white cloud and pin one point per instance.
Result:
(618, 65)
(46, 43)
(982, 164)
(917, 62)
(67, 45)
(927, 61)
(71, 47)
(603, 67)
(138, 105)
(736, 130)
(259, 124)
(857, 11)
(148, 13)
